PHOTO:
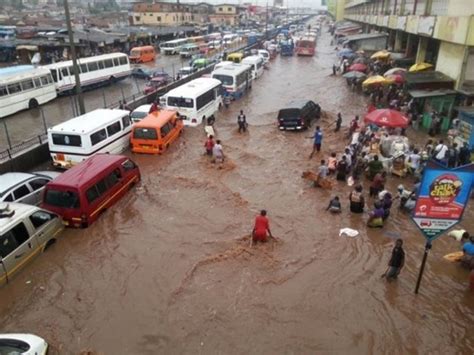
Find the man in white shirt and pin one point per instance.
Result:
(414, 161)
(440, 151)
(217, 152)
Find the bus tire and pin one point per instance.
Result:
(33, 104)
(113, 79)
(220, 106)
(49, 243)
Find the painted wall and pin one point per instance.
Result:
(450, 60)
(461, 8)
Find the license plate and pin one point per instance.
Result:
(66, 223)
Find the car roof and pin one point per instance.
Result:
(142, 108)
(9, 180)
(21, 210)
(86, 170)
(89, 122)
(296, 104)
(156, 119)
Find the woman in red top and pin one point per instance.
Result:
(262, 226)
(209, 145)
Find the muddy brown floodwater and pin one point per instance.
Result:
(168, 270)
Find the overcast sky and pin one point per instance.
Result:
(292, 3)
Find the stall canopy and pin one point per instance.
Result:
(431, 80)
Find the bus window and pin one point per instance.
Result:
(27, 85)
(116, 62)
(98, 137)
(84, 68)
(123, 61)
(92, 66)
(44, 80)
(65, 72)
(126, 121)
(3, 91)
(165, 130)
(108, 63)
(67, 139)
(113, 128)
(14, 88)
(101, 64)
(37, 82)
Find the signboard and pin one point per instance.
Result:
(442, 198)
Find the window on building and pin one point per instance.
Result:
(229, 9)
(221, 9)
(158, 18)
(137, 18)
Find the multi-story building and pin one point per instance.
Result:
(225, 14)
(162, 14)
(440, 32)
(336, 9)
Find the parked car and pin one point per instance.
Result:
(25, 231)
(25, 187)
(154, 84)
(140, 113)
(25, 344)
(298, 115)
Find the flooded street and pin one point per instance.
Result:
(169, 270)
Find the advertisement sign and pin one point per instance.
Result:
(442, 198)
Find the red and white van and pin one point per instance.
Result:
(81, 194)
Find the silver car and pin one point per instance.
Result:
(24, 187)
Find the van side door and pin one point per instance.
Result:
(24, 194)
(17, 246)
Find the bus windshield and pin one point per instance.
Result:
(145, 133)
(180, 102)
(64, 199)
(224, 79)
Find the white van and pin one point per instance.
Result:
(25, 231)
(256, 63)
(265, 55)
(98, 131)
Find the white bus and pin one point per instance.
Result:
(236, 79)
(195, 101)
(23, 87)
(99, 131)
(256, 62)
(93, 71)
(174, 46)
(188, 50)
(229, 39)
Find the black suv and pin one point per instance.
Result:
(298, 115)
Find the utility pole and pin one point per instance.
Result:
(266, 22)
(80, 98)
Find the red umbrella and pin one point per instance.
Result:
(387, 118)
(396, 78)
(358, 67)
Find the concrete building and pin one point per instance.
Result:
(336, 9)
(225, 14)
(440, 32)
(162, 14)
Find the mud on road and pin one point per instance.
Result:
(170, 270)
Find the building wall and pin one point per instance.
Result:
(161, 18)
(227, 20)
(225, 9)
(451, 59)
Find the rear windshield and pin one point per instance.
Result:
(145, 133)
(64, 199)
(138, 115)
(180, 102)
(71, 140)
(224, 79)
(289, 113)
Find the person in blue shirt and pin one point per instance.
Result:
(318, 140)
(468, 259)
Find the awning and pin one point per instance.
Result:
(26, 47)
(419, 94)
